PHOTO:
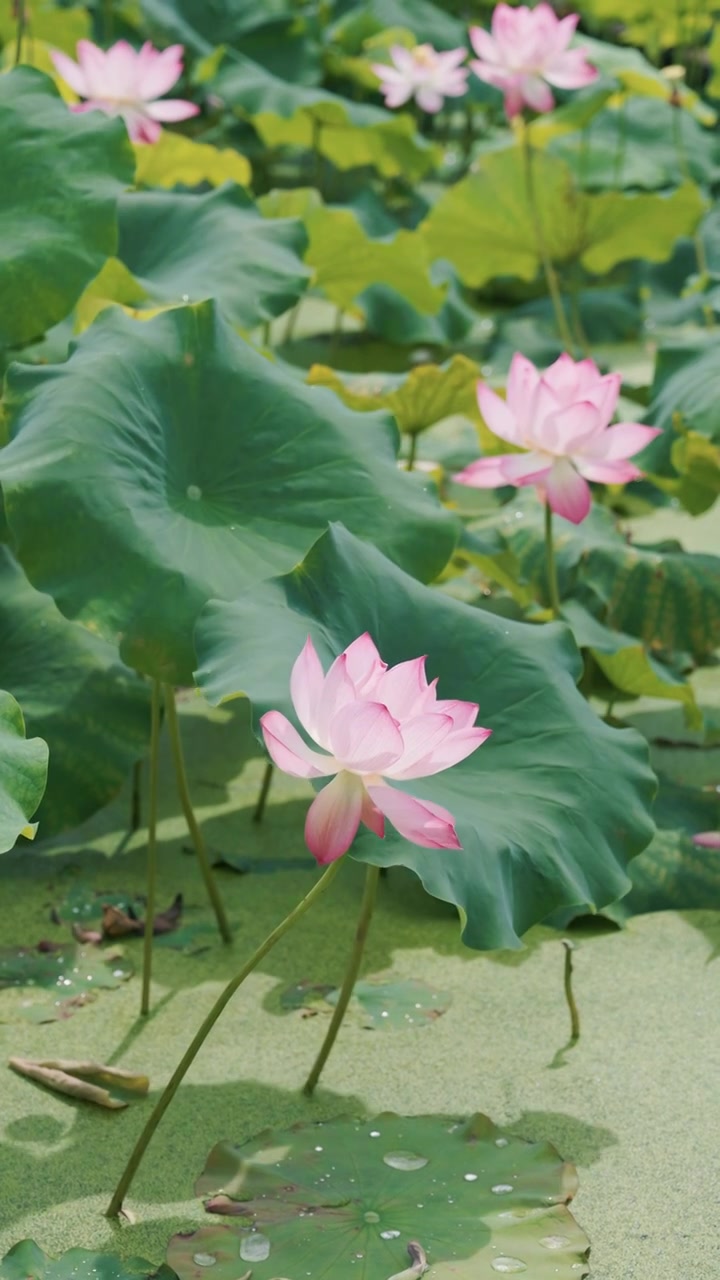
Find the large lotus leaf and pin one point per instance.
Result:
(319, 1198)
(23, 773)
(346, 260)
(697, 462)
(668, 598)
(61, 176)
(627, 664)
(350, 134)
(657, 26)
(75, 693)
(418, 399)
(195, 468)
(428, 22)
(673, 873)
(484, 226)
(204, 24)
(175, 160)
(633, 73)
(185, 248)
(55, 25)
(26, 1261)
(685, 396)
(635, 145)
(549, 812)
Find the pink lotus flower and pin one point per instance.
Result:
(562, 418)
(423, 74)
(526, 53)
(122, 81)
(377, 723)
(707, 839)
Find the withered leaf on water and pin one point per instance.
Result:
(89, 1081)
(117, 923)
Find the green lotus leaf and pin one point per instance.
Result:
(76, 694)
(673, 873)
(350, 134)
(429, 23)
(204, 26)
(320, 1197)
(684, 396)
(635, 74)
(23, 773)
(548, 812)
(644, 22)
(484, 226)
(62, 174)
(27, 1261)
(346, 260)
(636, 144)
(185, 248)
(196, 468)
(697, 462)
(54, 25)
(627, 664)
(666, 597)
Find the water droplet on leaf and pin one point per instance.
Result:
(389, 1235)
(554, 1242)
(501, 1188)
(204, 1259)
(255, 1247)
(508, 1266)
(405, 1160)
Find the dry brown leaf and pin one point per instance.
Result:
(89, 1081)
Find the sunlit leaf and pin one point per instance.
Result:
(175, 160)
(484, 225)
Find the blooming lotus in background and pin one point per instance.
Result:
(525, 52)
(122, 81)
(377, 724)
(707, 839)
(423, 74)
(561, 418)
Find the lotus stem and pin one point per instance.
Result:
(412, 452)
(698, 242)
(363, 925)
(551, 566)
(136, 796)
(551, 278)
(574, 1011)
(195, 833)
(151, 848)
(264, 790)
(204, 1030)
(21, 17)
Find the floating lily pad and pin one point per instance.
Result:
(306, 995)
(26, 1261)
(70, 969)
(318, 1198)
(394, 1005)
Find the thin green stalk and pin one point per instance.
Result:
(108, 21)
(698, 242)
(317, 154)
(136, 796)
(619, 163)
(202, 1033)
(21, 16)
(551, 567)
(569, 996)
(291, 322)
(366, 909)
(412, 452)
(266, 333)
(151, 848)
(195, 833)
(264, 789)
(551, 278)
